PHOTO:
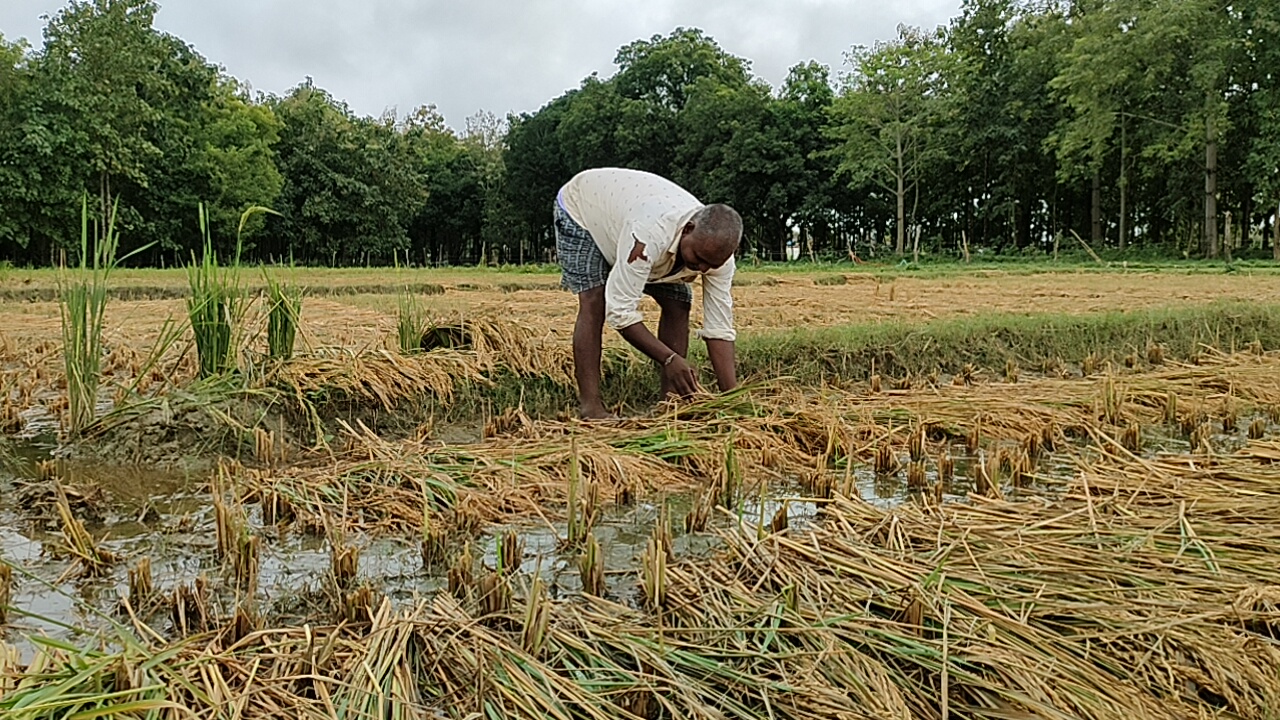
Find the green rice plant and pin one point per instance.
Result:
(284, 307)
(411, 323)
(435, 537)
(82, 296)
(537, 617)
(284, 301)
(66, 681)
(216, 307)
(653, 566)
(732, 474)
(510, 551)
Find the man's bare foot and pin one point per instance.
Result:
(595, 412)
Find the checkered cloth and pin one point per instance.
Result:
(584, 267)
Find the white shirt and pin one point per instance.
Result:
(636, 219)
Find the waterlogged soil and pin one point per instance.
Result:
(166, 515)
(181, 437)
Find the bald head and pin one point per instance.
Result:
(715, 233)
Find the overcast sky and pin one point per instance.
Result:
(498, 55)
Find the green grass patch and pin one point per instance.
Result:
(853, 353)
(754, 280)
(1011, 265)
(39, 284)
(510, 287)
(421, 288)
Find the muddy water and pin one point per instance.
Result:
(167, 516)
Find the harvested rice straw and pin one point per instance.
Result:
(1030, 608)
(6, 594)
(591, 567)
(787, 430)
(141, 585)
(90, 557)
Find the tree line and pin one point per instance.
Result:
(1021, 125)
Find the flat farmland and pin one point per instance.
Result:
(358, 307)
(1008, 492)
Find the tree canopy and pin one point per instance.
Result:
(1138, 124)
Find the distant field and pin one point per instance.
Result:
(353, 307)
(15, 280)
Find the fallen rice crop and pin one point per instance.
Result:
(986, 609)
(1098, 566)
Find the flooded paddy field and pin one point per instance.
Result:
(1031, 528)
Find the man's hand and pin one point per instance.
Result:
(680, 377)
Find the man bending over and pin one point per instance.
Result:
(622, 233)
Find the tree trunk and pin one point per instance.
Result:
(1275, 241)
(1023, 222)
(104, 194)
(1246, 223)
(1124, 190)
(1211, 187)
(985, 198)
(1226, 239)
(901, 245)
(1095, 212)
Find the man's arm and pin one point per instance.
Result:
(723, 361)
(643, 340)
(622, 297)
(717, 326)
(678, 371)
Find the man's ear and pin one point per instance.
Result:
(688, 228)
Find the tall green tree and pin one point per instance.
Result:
(485, 142)
(536, 167)
(448, 227)
(1005, 56)
(656, 79)
(1164, 68)
(214, 146)
(889, 114)
(815, 197)
(594, 131)
(234, 153)
(732, 150)
(351, 185)
(28, 166)
(99, 60)
(115, 108)
(632, 119)
(1260, 102)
